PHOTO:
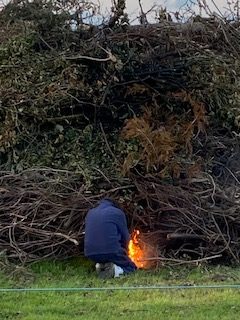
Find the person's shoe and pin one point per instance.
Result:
(105, 270)
(98, 267)
(118, 271)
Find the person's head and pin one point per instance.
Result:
(112, 201)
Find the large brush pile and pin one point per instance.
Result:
(149, 114)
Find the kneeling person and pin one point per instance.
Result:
(106, 240)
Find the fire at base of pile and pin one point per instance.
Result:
(139, 251)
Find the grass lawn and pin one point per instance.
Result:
(143, 304)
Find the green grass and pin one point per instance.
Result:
(144, 304)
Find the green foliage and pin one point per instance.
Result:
(219, 87)
(45, 15)
(53, 76)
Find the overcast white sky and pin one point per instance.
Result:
(133, 7)
(172, 5)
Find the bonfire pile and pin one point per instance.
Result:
(149, 114)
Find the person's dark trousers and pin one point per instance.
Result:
(120, 260)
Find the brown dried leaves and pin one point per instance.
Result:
(160, 144)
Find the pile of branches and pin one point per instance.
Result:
(196, 217)
(43, 211)
(148, 113)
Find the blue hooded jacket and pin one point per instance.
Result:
(106, 230)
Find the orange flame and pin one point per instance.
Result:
(135, 252)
